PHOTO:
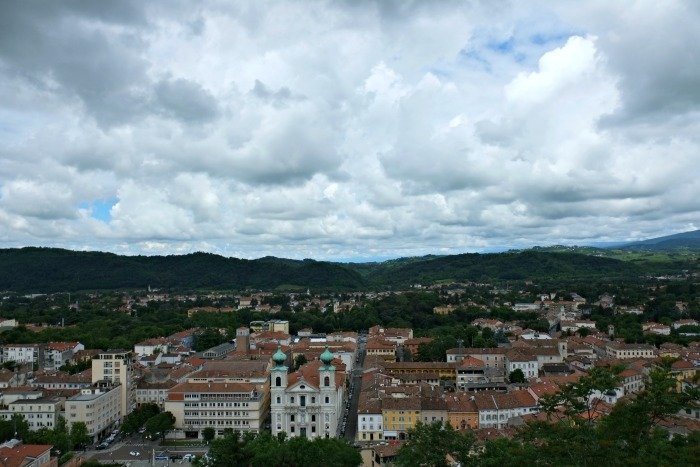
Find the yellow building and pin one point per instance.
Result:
(444, 370)
(682, 370)
(400, 414)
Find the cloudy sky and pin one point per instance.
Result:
(346, 129)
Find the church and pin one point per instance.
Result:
(309, 401)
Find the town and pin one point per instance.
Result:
(486, 358)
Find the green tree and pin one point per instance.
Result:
(208, 434)
(299, 361)
(430, 444)
(159, 425)
(516, 376)
(136, 419)
(79, 436)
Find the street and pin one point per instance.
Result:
(351, 411)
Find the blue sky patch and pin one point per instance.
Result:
(547, 38)
(100, 208)
(503, 47)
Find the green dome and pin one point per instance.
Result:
(279, 357)
(326, 357)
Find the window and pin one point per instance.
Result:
(328, 399)
(326, 381)
(279, 400)
(278, 381)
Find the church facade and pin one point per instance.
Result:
(309, 401)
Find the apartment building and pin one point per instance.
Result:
(153, 392)
(98, 406)
(24, 353)
(218, 405)
(42, 412)
(57, 354)
(116, 366)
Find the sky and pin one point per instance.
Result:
(346, 130)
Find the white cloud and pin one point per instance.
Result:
(357, 129)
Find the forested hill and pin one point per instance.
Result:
(51, 270)
(504, 266)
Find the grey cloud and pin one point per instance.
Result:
(279, 98)
(62, 50)
(652, 50)
(186, 100)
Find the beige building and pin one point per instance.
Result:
(219, 405)
(153, 393)
(98, 407)
(620, 350)
(115, 366)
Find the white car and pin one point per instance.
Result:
(134, 453)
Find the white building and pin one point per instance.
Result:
(151, 346)
(495, 409)
(517, 360)
(23, 353)
(218, 405)
(98, 407)
(39, 413)
(308, 402)
(58, 354)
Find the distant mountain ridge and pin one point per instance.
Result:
(683, 240)
(55, 270)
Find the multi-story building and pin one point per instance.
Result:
(462, 412)
(445, 370)
(380, 347)
(99, 407)
(621, 350)
(61, 380)
(492, 357)
(115, 366)
(369, 419)
(217, 405)
(151, 346)
(308, 402)
(153, 392)
(495, 408)
(518, 359)
(58, 354)
(24, 353)
(400, 415)
(39, 413)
